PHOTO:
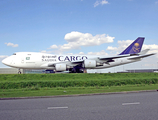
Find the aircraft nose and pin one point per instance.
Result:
(6, 61)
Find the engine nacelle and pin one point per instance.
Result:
(90, 63)
(60, 67)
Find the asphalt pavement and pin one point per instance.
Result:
(131, 106)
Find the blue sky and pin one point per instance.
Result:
(51, 25)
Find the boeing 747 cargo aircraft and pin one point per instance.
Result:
(76, 63)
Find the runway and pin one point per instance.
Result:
(133, 106)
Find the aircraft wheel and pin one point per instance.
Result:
(19, 72)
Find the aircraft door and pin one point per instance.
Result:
(22, 60)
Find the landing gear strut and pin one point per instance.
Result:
(19, 72)
(76, 69)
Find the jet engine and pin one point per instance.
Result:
(92, 63)
(60, 67)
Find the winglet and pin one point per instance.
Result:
(135, 47)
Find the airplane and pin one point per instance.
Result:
(76, 63)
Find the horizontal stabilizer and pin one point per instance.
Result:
(144, 52)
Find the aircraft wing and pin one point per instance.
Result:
(114, 57)
(141, 56)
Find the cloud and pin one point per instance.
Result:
(124, 44)
(121, 46)
(3, 56)
(98, 53)
(81, 53)
(77, 39)
(43, 51)
(69, 53)
(102, 2)
(110, 48)
(11, 44)
(154, 47)
(53, 47)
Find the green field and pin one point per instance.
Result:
(25, 85)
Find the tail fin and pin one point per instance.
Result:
(135, 47)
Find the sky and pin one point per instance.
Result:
(91, 27)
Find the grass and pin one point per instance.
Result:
(75, 80)
(29, 92)
(70, 77)
(26, 85)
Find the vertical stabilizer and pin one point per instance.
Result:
(135, 47)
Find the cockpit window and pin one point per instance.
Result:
(14, 54)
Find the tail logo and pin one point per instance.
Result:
(136, 47)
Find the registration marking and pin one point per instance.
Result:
(50, 108)
(135, 103)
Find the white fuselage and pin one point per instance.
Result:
(32, 60)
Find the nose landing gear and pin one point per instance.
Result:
(19, 72)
